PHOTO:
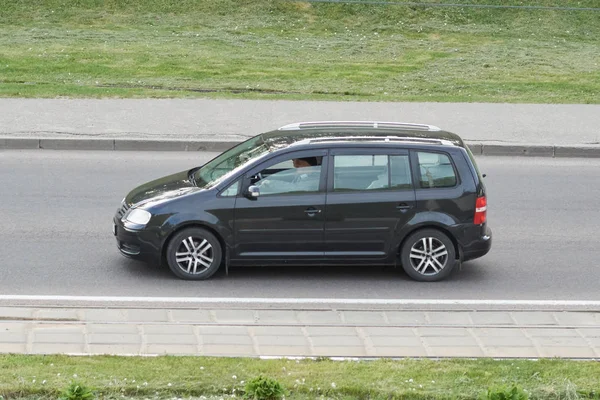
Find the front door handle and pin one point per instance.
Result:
(312, 210)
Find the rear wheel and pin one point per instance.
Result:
(428, 255)
(194, 254)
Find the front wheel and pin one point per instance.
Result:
(428, 255)
(194, 254)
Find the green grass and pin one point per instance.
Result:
(276, 49)
(169, 377)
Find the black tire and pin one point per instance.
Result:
(185, 252)
(420, 260)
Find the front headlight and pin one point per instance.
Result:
(138, 217)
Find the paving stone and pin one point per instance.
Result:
(14, 327)
(65, 338)
(168, 329)
(460, 341)
(283, 340)
(283, 351)
(552, 332)
(568, 352)
(16, 313)
(115, 349)
(278, 331)
(534, 318)
(223, 330)
(449, 318)
(238, 316)
(406, 318)
(498, 332)
(442, 332)
(331, 331)
(338, 341)
(590, 332)
(389, 331)
(227, 339)
(395, 341)
(505, 341)
(511, 352)
(105, 315)
(13, 337)
(147, 315)
(491, 318)
(277, 317)
(57, 348)
(578, 318)
(455, 351)
(191, 316)
(171, 339)
(57, 314)
(594, 341)
(335, 351)
(561, 341)
(319, 317)
(171, 349)
(114, 338)
(13, 348)
(400, 351)
(58, 328)
(228, 350)
(113, 328)
(364, 317)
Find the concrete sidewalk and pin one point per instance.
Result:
(200, 124)
(299, 332)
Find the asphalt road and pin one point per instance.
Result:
(55, 237)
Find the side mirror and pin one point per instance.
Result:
(253, 192)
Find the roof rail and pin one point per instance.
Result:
(359, 124)
(404, 139)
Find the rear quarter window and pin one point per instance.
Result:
(436, 170)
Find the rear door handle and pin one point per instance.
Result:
(403, 206)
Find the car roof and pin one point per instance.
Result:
(353, 132)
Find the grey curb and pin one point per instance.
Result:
(478, 148)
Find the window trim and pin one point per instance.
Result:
(238, 181)
(417, 170)
(369, 152)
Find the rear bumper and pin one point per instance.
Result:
(479, 246)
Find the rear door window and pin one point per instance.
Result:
(435, 170)
(366, 172)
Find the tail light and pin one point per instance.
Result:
(480, 211)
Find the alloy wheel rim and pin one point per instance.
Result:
(194, 255)
(428, 256)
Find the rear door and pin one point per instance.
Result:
(370, 197)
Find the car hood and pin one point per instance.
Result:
(162, 189)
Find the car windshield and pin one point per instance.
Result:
(230, 161)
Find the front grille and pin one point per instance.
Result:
(121, 211)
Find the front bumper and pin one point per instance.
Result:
(478, 246)
(137, 244)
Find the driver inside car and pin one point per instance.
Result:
(304, 177)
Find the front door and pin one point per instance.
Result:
(370, 198)
(285, 223)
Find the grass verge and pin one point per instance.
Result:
(177, 377)
(299, 50)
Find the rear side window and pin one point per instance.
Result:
(371, 172)
(436, 170)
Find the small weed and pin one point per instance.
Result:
(76, 391)
(500, 393)
(263, 388)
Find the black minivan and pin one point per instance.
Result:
(325, 193)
